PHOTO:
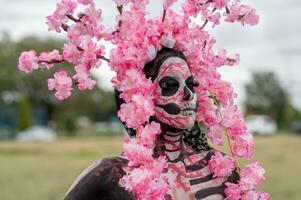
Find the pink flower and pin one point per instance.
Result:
(215, 134)
(167, 3)
(242, 13)
(71, 53)
(133, 115)
(83, 77)
(251, 175)
(121, 2)
(62, 84)
(49, 58)
(243, 145)
(90, 50)
(223, 91)
(148, 134)
(55, 24)
(250, 18)
(76, 33)
(233, 120)
(84, 2)
(28, 61)
(249, 195)
(232, 191)
(65, 7)
(221, 165)
(263, 196)
(220, 3)
(136, 153)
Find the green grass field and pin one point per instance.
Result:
(44, 171)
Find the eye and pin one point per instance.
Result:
(169, 86)
(191, 83)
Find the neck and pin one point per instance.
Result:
(173, 144)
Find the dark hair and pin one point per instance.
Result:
(196, 138)
(151, 69)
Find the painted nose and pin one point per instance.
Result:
(187, 94)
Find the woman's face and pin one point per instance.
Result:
(175, 98)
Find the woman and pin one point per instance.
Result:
(181, 141)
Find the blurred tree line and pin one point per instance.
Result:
(27, 95)
(265, 95)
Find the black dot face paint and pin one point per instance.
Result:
(175, 97)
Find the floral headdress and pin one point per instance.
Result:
(137, 39)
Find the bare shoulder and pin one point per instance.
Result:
(99, 181)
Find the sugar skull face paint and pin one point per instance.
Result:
(175, 98)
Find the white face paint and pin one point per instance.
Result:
(175, 98)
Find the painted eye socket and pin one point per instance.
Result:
(169, 86)
(191, 83)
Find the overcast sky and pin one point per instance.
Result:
(273, 45)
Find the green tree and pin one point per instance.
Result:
(25, 117)
(265, 95)
(97, 104)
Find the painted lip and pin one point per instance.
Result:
(189, 109)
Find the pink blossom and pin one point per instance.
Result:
(90, 52)
(133, 82)
(48, 59)
(242, 13)
(121, 2)
(71, 53)
(65, 7)
(233, 120)
(243, 145)
(251, 175)
(137, 153)
(215, 134)
(251, 18)
(55, 24)
(133, 115)
(84, 2)
(62, 84)
(249, 195)
(28, 61)
(221, 165)
(83, 77)
(148, 134)
(263, 196)
(232, 191)
(220, 3)
(223, 91)
(76, 33)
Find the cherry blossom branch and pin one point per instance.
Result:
(103, 58)
(164, 15)
(73, 18)
(51, 62)
(98, 56)
(227, 134)
(119, 8)
(227, 10)
(206, 22)
(65, 27)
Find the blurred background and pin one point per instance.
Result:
(45, 144)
